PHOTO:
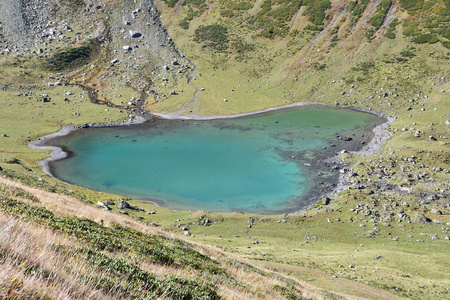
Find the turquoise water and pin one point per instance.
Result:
(252, 164)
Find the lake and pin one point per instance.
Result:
(268, 163)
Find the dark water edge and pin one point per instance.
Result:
(320, 161)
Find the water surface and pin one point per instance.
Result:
(268, 163)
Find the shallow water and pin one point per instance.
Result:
(253, 164)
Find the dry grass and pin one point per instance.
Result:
(23, 244)
(30, 268)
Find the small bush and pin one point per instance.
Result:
(310, 27)
(425, 38)
(171, 3)
(390, 35)
(72, 57)
(212, 36)
(242, 6)
(183, 24)
(411, 5)
(227, 13)
(407, 53)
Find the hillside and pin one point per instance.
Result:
(96, 62)
(79, 252)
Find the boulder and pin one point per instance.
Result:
(420, 218)
(436, 211)
(135, 34)
(103, 205)
(124, 205)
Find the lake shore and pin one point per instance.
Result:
(372, 148)
(58, 153)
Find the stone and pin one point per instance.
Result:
(135, 34)
(103, 205)
(420, 218)
(124, 205)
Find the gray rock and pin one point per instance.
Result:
(436, 211)
(135, 34)
(420, 218)
(103, 205)
(124, 205)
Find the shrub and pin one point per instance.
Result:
(171, 3)
(213, 36)
(183, 24)
(407, 53)
(390, 35)
(411, 5)
(315, 9)
(227, 13)
(311, 27)
(72, 57)
(425, 38)
(241, 6)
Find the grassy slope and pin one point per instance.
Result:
(271, 242)
(109, 256)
